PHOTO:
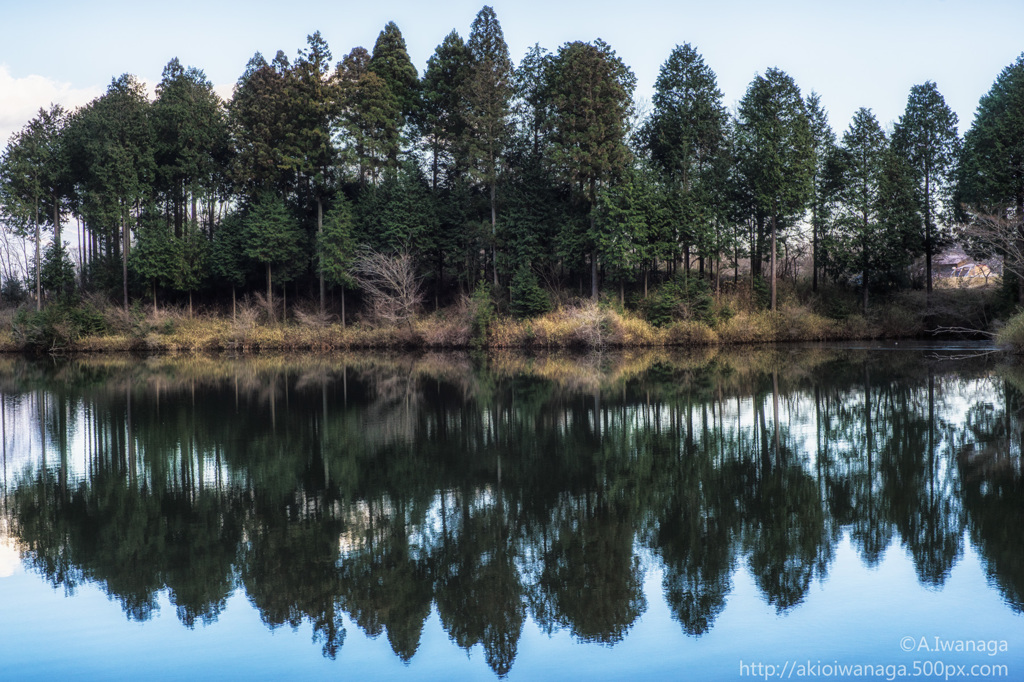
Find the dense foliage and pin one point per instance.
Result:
(481, 170)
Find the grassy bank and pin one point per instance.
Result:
(96, 326)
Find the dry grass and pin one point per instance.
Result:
(1012, 334)
(582, 325)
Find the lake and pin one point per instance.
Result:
(756, 513)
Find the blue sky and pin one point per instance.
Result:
(867, 53)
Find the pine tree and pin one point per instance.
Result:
(337, 247)
(30, 174)
(876, 210)
(370, 116)
(926, 136)
(313, 95)
(442, 116)
(272, 236)
(776, 158)
(591, 100)
(822, 144)
(258, 120)
(488, 93)
(190, 140)
(391, 62)
(113, 164)
(685, 137)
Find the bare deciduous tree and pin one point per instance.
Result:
(390, 284)
(997, 234)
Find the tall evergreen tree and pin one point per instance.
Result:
(685, 136)
(775, 156)
(190, 140)
(875, 205)
(442, 116)
(370, 116)
(531, 106)
(313, 102)
(272, 236)
(113, 160)
(488, 94)
(591, 99)
(391, 62)
(926, 136)
(258, 118)
(337, 247)
(822, 144)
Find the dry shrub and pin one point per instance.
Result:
(747, 327)
(578, 326)
(115, 317)
(629, 330)
(690, 333)
(268, 309)
(243, 325)
(444, 331)
(1012, 334)
(309, 315)
(798, 323)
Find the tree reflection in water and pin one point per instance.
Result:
(498, 489)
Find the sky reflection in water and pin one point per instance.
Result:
(442, 516)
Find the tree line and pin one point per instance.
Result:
(481, 171)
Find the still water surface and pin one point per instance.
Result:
(616, 516)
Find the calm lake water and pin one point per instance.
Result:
(648, 515)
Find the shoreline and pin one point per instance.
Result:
(585, 327)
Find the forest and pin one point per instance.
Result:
(521, 186)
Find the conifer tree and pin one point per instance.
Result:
(32, 175)
(488, 93)
(874, 233)
(337, 247)
(390, 61)
(370, 116)
(991, 172)
(822, 144)
(442, 116)
(272, 236)
(926, 136)
(190, 140)
(685, 135)
(313, 96)
(591, 100)
(258, 119)
(775, 157)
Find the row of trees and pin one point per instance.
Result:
(481, 170)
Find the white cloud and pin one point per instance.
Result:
(22, 98)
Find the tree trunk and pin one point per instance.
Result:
(494, 234)
(1020, 243)
(39, 261)
(320, 254)
(928, 237)
(773, 261)
(342, 307)
(124, 261)
(270, 296)
(814, 248)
